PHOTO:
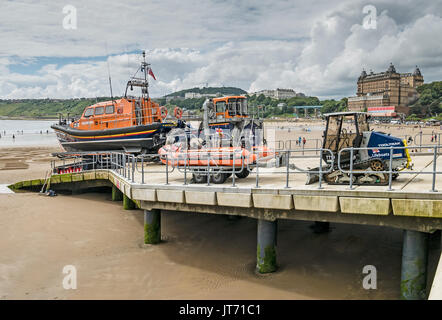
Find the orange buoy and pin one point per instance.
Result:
(163, 112)
(178, 112)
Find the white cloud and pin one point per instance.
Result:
(316, 47)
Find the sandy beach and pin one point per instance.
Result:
(201, 256)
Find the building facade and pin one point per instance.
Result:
(279, 93)
(193, 95)
(386, 89)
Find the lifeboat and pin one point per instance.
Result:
(229, 117)
(131, 124)
(222, 162)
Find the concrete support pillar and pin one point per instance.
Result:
(128, 204)
(266, 251)
(152, 226)
(305, 112)
(117, 195)
(414, 265)
(316, 113)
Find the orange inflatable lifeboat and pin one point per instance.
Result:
(221, 161)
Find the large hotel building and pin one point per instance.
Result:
(386, 94)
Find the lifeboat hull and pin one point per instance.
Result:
(143, 138)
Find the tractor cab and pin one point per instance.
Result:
(344, 130)
(229, 107)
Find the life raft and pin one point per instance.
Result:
(229, 157)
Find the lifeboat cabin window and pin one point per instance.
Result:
(233, 108)
(110, 109)
(99, 111)
(220, 107)
(89, 112)
(243, 105)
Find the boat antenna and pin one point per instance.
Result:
(146, 67)
(108, 72)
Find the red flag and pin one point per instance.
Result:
(151, 74)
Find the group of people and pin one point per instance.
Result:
(301, 141)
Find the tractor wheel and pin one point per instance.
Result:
(376, 165)
(244, 173)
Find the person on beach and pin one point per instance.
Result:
(13, 137)
(299, 140)
(304, 140)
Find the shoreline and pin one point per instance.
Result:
(26, 118)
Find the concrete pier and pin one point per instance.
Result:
(266, 246)
(128, 204)
(152, 226)
(117, 195)
(414, 265)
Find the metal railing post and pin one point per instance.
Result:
(208, 168)
(287, 169)
(320, 170)
(185, 168)
(420, 144)
(133, 168)
(142, 169)
(124, 165)
(233, 170)
(167, 168)
(390, 170)
(433, 187)
(351, 168)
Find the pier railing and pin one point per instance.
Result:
(258, 166)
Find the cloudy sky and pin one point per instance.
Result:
(61, 49)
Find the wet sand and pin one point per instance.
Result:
(201, 256)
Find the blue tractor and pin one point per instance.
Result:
(371, 153)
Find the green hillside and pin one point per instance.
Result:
(45, 108)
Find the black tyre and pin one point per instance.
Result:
(244, 173)
(219, 177)
(199, 177)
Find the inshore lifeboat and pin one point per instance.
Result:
(132, 124)
(221, 162)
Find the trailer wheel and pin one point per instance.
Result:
(244, 173)
(219, 177)
(199, 177)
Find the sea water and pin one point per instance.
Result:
(27, 133)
